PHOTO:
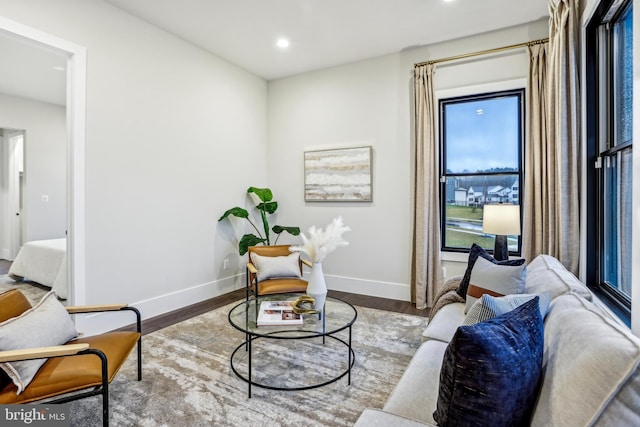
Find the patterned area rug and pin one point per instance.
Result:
(187, 379)
(33, 291)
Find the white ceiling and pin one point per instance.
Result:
(322, 33)
(28, 71)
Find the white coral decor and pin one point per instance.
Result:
(321, 243)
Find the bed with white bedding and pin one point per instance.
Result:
(44, 262)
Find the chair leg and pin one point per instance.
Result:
(246, 285)
(105, 405)
(105, 383)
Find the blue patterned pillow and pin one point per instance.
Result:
(491, 370)
(475, 252)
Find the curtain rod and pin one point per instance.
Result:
(482, 52)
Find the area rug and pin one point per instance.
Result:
(33, 291)
(188, 381)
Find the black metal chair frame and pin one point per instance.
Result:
(103, 389)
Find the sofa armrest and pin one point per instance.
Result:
(378, 418)
(41, 352)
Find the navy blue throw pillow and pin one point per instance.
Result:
(491, 371)
(474, 253)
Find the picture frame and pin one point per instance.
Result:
(338, 175)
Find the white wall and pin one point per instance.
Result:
(45, 164)
(370, 103)
(174, 137)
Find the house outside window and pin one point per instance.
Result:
(481, 140)
(609, 44)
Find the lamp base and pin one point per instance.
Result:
(501, 249)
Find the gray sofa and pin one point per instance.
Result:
(590, 362)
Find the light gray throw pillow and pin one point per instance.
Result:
(488, 307)
(495, 279)
(271, 267)
(46, 324)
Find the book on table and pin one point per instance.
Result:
(273, 313)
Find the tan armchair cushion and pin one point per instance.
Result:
(12, 304)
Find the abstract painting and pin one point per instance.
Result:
(342, 175)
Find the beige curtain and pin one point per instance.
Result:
(425, 269)
(552, 207)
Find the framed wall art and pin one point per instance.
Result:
(339, 175)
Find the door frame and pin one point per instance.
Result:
(76, 106)
(14, 216)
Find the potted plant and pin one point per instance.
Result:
(266, 206)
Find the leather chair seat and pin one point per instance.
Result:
(281, 286)
(68, 374)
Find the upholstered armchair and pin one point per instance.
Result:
(274, 270)
(40, 357)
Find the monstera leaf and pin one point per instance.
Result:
(266, 206)
(294, 231)
(249, 240)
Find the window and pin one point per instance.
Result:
(481, 162)
(610, 148)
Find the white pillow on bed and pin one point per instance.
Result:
(46, 324)
(272, 267)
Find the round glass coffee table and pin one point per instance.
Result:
(293, 357)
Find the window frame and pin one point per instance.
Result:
(503, 89)
(600, 90)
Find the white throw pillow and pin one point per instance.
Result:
(497, 280)
(271, 267)
(46, 324)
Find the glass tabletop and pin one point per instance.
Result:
(338, 314)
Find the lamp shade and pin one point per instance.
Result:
(502, 219)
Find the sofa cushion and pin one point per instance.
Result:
(495, 279)
(488, 307)
(376, 418)
(271, 267)
(556, 281)
(491, 370)
(444, 324)
(475, 252)
(545, 262)
(416, 394)
(46, 324)
(590, 367)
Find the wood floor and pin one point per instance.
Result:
(168, 319)
(4, 266)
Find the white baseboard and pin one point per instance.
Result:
(92, 324)
(4, 254)
(97, 323)
(375, 288)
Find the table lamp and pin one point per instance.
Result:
(502, 220)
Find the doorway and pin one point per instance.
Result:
(75, 106)
(13, 164)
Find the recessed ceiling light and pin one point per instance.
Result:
(58, 68)
(282, 43)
